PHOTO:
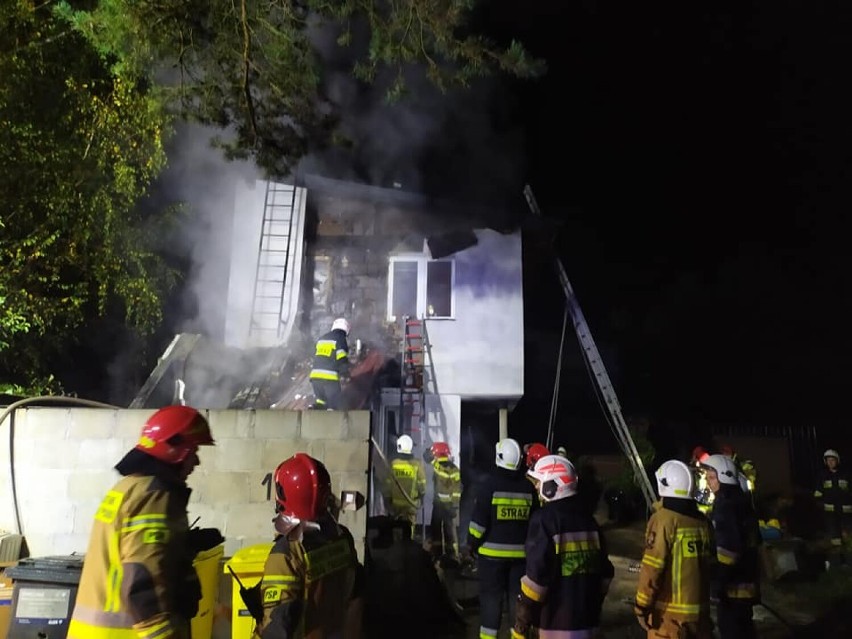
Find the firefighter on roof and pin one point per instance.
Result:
(312, 583)
(567, 572)
(405, 485)
(497, 532)
(331, 366)
(736, 582)
(138, 581)
(447, 487)
(673, 594)
(834, 495)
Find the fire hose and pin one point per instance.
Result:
(392, 476)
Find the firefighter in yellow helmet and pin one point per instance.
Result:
(138, 581)
(673, 594)
(313, 584)
(405, 486)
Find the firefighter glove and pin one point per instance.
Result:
(188, 594)
(200, 539)
(526, 615)
(643, 616)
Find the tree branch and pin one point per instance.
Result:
(247, 72)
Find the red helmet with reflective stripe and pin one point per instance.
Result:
(699, 454)
(441, 450)
(173, 432)
(302, 488)
(535, 452)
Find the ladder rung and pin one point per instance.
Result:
(414, 349)
(413, 322)
(412, 336)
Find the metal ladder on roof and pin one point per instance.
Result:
(413, 379)
(273, 260)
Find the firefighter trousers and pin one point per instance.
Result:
(498, 578)
(735, 620)
(407, 514)
(328, 394)
(444, 531)
(669, 628)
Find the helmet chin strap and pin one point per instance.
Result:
(292, 527)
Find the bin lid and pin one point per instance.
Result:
(250, 559)
(61, 569)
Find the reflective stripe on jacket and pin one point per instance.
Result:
(674, 577)
(136, 564)
(501, 512)
(446, 480)
(410, 477)
(307, 585)
(331, 356)
(737, 536)
(567, 567)
(833, 491)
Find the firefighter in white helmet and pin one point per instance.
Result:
(497, 532)
(406, 483)
(673, 594)
(736, 579)
(567, 572)
(331, 366)
(833, 494)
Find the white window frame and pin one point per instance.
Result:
(422, 270)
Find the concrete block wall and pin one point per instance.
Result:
(64, 458)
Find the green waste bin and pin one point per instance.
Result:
(43, 596)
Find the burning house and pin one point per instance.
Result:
(433, 295)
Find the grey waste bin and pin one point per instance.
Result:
(44, 595)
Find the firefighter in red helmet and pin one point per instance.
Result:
(312, 584)
(138, 578)
(446, 489)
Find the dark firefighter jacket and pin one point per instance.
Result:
(674, 577)
(832, 491)
(331, 359)
(307, 585)
(446, 479)
(737, 536)
(567, 569)
(138, 581)
(411, 478)
(501, 515)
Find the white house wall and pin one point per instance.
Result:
(64, 462)
(480, 353)
(245, 242)
(249, 209)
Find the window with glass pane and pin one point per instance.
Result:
(439, 289)
(404, 294)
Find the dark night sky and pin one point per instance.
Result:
(696, 157)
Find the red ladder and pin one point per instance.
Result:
(412, 398)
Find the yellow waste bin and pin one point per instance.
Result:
(248, 565)
(207, 566)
